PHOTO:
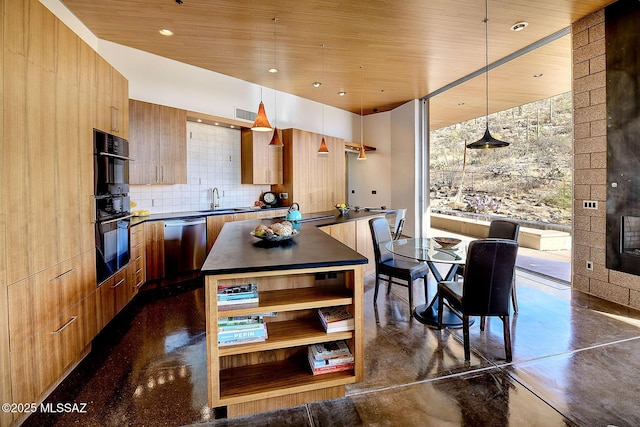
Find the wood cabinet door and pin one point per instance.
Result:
(144, 134)
(120, 107)
(157, 144)
(172, 154)
(261, 163)
(154, 248)
(214, 226)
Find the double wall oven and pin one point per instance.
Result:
(111, 190)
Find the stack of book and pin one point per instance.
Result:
(336, 319)
(330, 357)
(241, 330)
(238, 294)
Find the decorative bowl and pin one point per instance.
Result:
(343, 211)
(272, 237)
(447, 242)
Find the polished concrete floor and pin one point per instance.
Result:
(576, 361)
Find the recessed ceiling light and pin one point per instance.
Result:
(273, 70)
(519, 26)
(199, 120)
(217, 124)
(166, 32)
(538, 75)
(342, 93)
(317, 84)
(232, 127)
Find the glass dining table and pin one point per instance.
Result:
(425, 249)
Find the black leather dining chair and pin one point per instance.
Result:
(503, 229)
(485, 290)
(387, 265)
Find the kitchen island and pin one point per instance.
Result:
(295, 278)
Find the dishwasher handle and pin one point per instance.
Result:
(186, 222)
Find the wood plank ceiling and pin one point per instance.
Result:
(382, 53)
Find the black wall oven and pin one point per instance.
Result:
(111, 190)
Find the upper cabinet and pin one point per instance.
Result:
(157, 144)
(112, 100)
(261, 162)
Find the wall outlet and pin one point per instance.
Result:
(590, 265)
(284, 196)
(374, 192)
(590, 204)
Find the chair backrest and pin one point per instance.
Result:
(488, 277)
(398, 231)
(503, 229)
(380, 235)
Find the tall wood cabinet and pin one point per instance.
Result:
(57, 89)
(157, 144)
(315, 181)
(261, 162)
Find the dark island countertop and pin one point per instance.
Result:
(236, 251)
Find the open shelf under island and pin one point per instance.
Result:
(294, 278)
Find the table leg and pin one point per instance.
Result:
(428, 313)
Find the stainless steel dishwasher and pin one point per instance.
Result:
(185, 245)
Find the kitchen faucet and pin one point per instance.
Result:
(215, 198)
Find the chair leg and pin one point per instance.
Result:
(410, 286)
(507, 336)
(465, 336)
(482, 322)
(514, 299)
(375, 293)
(389, 279)
(440, 309)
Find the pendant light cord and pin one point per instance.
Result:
(486, 54)
(322, 46)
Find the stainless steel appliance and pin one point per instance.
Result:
(111, 192)
(185, 245)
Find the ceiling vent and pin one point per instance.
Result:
(249, 116)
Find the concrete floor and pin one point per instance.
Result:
(575, 362)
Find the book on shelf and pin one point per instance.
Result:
(334, 364)
(239, 322)
(259, 331)
(336, 319)
(330, 350)
(238, 294)
(243, 341)
(323, 363)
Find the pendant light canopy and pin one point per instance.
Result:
(487, 141)
(323, 145)
(275, 139)
(362, 155)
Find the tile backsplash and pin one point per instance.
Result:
(213, 160)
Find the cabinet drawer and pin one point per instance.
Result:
(113, 295)
(42, 360)
(137, 236)
(36, 301)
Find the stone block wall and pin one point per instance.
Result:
(589, 168)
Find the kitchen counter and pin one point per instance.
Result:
(190, 214)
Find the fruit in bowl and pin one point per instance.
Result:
(343, 208)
